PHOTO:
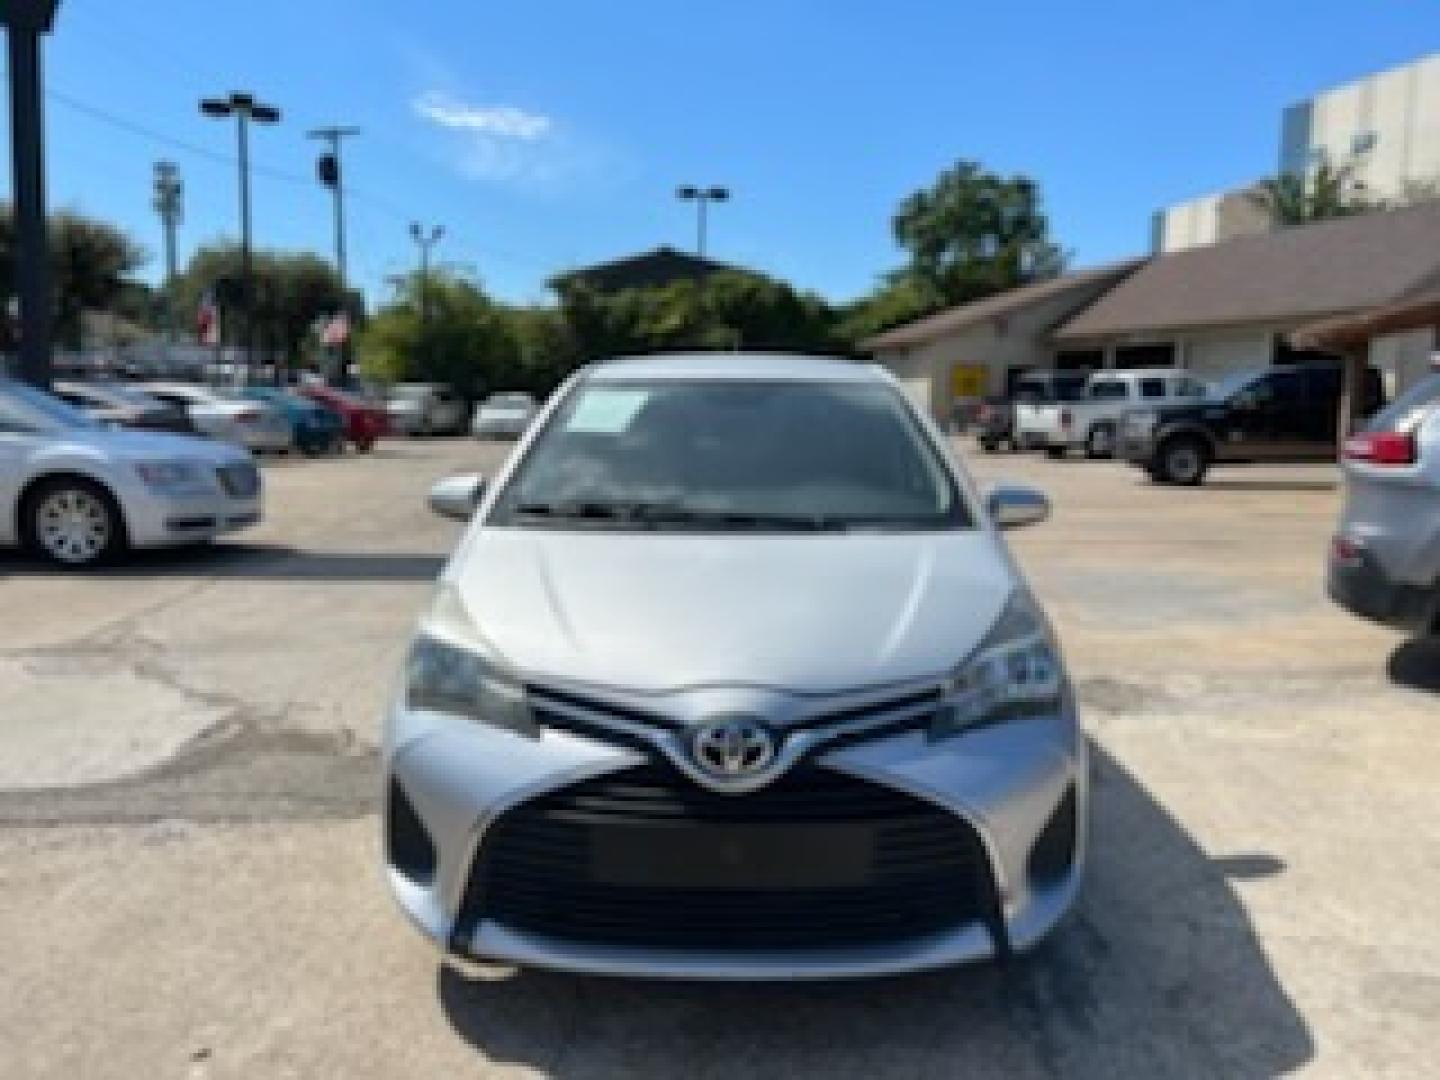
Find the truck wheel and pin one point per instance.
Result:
(1184, 460)
(73, 522)
(1056, 453)
(1100, 443)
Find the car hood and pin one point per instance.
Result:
(130, 445)
(661, 612)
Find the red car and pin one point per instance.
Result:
(364, 423)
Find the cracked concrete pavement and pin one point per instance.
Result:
(189, 879)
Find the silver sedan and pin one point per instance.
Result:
(732, 676)
(80, 493)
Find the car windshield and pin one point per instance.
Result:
(1047, 390)
(27, 406)
(787, 456)
(1226, 388)
(127, 395)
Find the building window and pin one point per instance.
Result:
(1080, 360)
(1145, 356)
(1152, 388)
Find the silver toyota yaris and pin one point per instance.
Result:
(732, 676)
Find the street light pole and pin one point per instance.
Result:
(332, 175)
(244, 108)
(25, 21)
(168, 194)
(426, 239)
(702, 197)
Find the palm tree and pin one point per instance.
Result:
(1327, 191)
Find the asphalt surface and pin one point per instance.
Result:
(189, 880)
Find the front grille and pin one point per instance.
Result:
(240, 481)
(645, 858)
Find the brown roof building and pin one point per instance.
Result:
(1239, 303)
(983, 346)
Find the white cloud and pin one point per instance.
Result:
(496, 122)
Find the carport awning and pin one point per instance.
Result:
(1415, 312)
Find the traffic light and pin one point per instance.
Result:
(328, 169)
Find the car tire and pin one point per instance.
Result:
(990, 446)
(1100, 442)
(1057, 453)
(364, 446)
(1184, 460)
(73, 522)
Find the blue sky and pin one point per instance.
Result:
(545, 134)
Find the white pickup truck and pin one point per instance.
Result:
(1090, 423)
(1038, 396)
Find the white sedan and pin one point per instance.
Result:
(230, 418)
(79, 493)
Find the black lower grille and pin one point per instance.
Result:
(646, 858)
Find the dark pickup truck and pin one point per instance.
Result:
(1276, 414)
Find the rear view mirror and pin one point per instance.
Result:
(456, 497)
(1013, 506)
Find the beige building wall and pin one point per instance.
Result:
(995, 347)
(1387, 124)
(1403, 359)
(1216, 354)
(1210, 219)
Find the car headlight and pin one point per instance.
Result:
(168, 475)
(1015, 672)
(452, 670)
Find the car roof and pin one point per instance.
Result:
(742, 367)
(1141, 373)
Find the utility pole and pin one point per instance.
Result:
(244, 108)
(702, 197)
(169, 194)
(25, 21)
(332, 175)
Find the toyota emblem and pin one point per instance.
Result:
(733, 747)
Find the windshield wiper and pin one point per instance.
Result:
(660, 514)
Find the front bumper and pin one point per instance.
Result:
(1006, 783)
(168, 519)
(267, 438)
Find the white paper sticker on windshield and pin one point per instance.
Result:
(606, 412)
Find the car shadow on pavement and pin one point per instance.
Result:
(1416, 664)
(1271, 485)
(251, 561)
(1159, 973)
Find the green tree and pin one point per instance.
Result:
(901, 299)
(973, 233)
(730, 310)
(293, 293)
(465, 340)
(1326, 191)
(91, 262)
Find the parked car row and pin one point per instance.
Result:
(1171, 424)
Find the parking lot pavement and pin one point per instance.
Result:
(189, 879)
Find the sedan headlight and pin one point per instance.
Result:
(451, 670)
(169, 475)
(1016, 672)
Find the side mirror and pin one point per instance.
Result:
(1012, 506)
(456, 497)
